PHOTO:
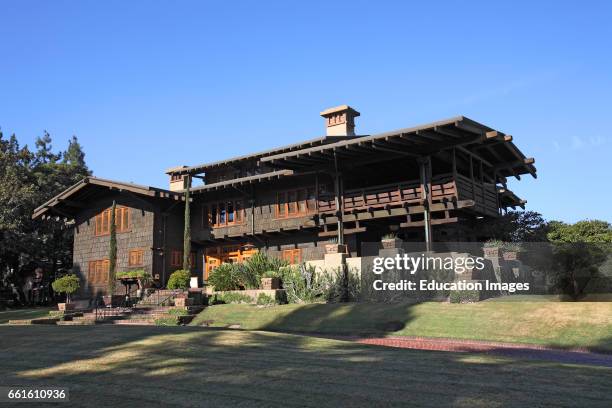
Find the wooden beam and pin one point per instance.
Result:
(438, 221)
(348, 231)
(516, 163)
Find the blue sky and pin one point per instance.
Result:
(150, 85)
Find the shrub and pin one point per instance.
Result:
(67, 284)
(224, 277)
(464, 296)
(272, 274)
(335, 286)
(246, 275)
(493, 243)
(178, 312)
(232, 298)
(167, 321)
(264, 299)
(260, 263)
(179, 280)
(303, 285)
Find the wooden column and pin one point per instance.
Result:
(425, 176)
(338, 190)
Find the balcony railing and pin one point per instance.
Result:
(443, 188)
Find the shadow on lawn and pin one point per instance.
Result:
(192, 366)
(354, 319)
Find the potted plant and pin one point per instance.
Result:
(511, 250)
(67, 284)
(270, 280)
(493, 248)
(391, 241)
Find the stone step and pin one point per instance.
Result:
(135, 322)
(76, 323)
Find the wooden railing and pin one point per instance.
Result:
(484, 194)
(442, 188)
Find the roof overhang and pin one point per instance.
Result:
(67, 203)
(508, 198)
(259, 178)
(495, 148)
(202, 168)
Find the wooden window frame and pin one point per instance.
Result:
(212, 218)
(293, 256)
(136, 257)
(295, 203)
(97, 272)
(122, 221)
(176, 258)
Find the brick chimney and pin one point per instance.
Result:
(340, 121)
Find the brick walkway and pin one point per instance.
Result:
(530, 351)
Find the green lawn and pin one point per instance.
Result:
(189, 366)
(17, 314)
(562, 324)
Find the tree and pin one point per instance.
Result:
(578, 251)
(112, 252)
(67, 284)
(74, 155)
(28, 179)
(517, 226)
(187, 232)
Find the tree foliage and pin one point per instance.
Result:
(517, 226)
(579, 250)
(67, 284)
(179, 280)
(28, 179)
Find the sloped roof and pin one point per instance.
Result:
(495, 147)
(66, 202)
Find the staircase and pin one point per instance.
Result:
(154, 306)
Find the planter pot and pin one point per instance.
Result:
(391, 243)
(492, 252)
(270, 283)
(336, 249)
(64, 307)
(182, 302)
(510, 256)
(112, 301)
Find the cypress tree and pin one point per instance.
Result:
(187, 232)
(112, 254)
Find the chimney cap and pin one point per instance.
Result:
(340, 108)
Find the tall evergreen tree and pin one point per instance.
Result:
(112, 252)
(28, 179)
(187, 233)
(74, 154)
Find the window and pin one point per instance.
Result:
(224, 213)
(122, 221)
(176, 258)
(98, 271)
(136, 257)
(294, 203)
(293, 256)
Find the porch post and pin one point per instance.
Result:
(425, 172)
(338, 189)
